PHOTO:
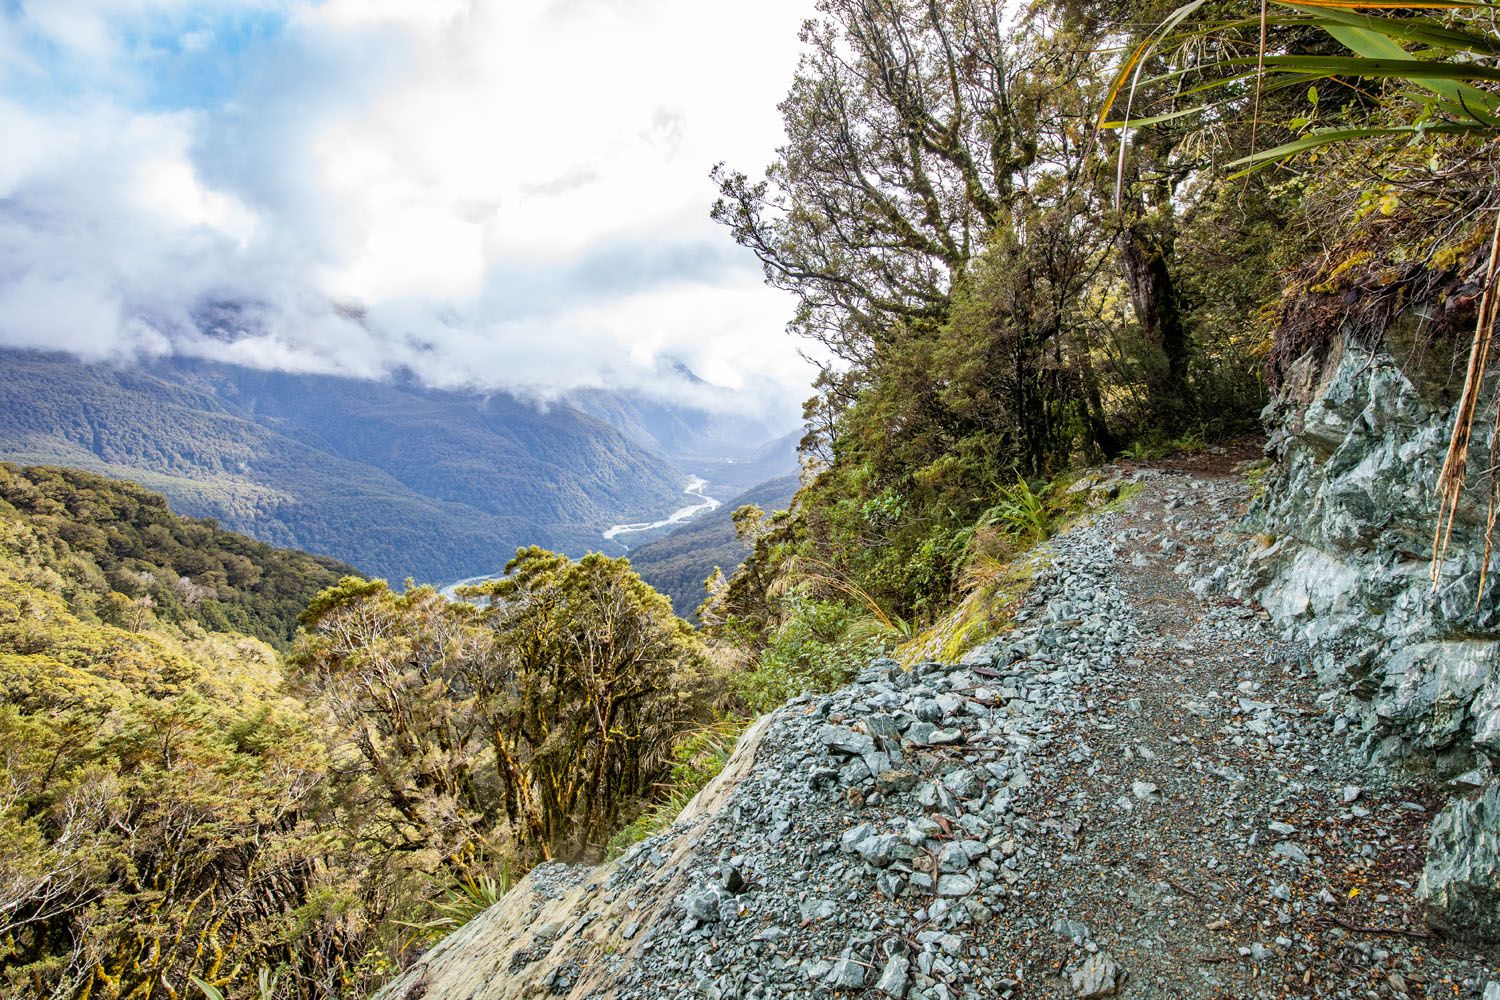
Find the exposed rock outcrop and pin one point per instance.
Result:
(1347, 518)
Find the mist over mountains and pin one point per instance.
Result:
(398, 479)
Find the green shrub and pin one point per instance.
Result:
(698, 758)
(1021, 511)
(819, 646)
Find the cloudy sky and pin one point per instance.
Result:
(491, 192)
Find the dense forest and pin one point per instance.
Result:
(179, 799)
(1023, 254)
(116, 552)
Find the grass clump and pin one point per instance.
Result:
(819, 646)
(698, 758)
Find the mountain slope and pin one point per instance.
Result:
(731, 450)
(678, 563)
(397, 479)
(117, 550)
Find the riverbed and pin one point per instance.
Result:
(701, 503)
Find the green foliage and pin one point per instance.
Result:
(1154, 447)
(1021, 512)
(1435, 59)
(698, 758)
(819, 646)
(175, 808)
(528, 724)
(265, 985)
(128, 560)
(153, 783)
(467, 897)
(1008, 305)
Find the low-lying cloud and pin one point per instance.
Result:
(485, 193)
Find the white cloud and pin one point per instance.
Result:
(512, 192)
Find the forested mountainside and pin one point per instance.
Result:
(397, 479)
(116, 552)
(689, 429)
(680, 563)
(178, 799)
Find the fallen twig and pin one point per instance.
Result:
(1410, 932)
(1184, 890)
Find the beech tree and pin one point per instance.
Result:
(531, 720)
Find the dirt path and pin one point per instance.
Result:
(1264, 858)
(1139, 792)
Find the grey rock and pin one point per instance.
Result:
(731, 879)
(845, 742)
(1290, 851)
(851, 839)
(956, 885)
(945, 737)
(894, 977)
(878, 850)
(927, 710)
(848, 973)
(1100, 976)
(1072, 930)
(1460, 885)
(963, 783)
(894, 781)
(702, 903)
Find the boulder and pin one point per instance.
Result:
(1460, 886)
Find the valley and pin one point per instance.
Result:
(702, 503)
(400, 480)
(961, 501)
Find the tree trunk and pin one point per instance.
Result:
(1143, 259)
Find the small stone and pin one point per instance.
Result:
(730, 879)
(1290, 851)
(845, 742)
(1072, 930)
(893, 978)
(1100, 976)
(848, 973)
(1350, 793)
(854, 836)
(956, 885)
(895, 781)
(878, 850)
(702, 904)
(815, 968)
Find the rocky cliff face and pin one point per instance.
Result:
(1347, 518)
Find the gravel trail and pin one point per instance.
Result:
(1140, 791)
